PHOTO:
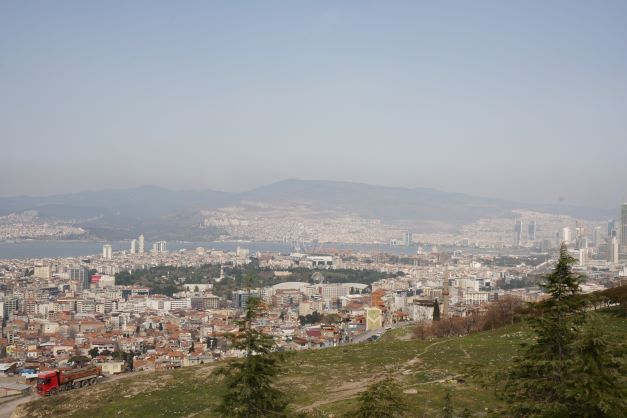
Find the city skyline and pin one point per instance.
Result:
(251, 209)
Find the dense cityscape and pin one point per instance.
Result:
(324, 209)
(56, 309)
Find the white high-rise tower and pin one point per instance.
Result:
(566, 235)
(613, 250)
(107, 251)
(140, 241)
(623, 228)
(133, 246)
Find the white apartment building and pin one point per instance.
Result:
(473, 297)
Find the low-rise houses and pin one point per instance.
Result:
(53, 311)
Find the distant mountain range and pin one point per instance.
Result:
(172, 214)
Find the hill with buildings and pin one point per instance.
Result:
(121, 214)
(326, 380)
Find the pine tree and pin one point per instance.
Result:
(597, 386)
(250, 390)
(436, 311)
(567, 372)
(382, 400)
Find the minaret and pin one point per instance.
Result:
(221, 273)
(445, 294)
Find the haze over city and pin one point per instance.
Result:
(520, 101)
(286, 209)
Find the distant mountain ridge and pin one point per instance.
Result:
(130, 210)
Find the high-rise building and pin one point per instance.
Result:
(518, 228)
(611, 228)
(596, 236)
(532, 229)
(107, 251)
(566, 235)
(160, 247)
(80, 275)
(613, 250)
(623, 228)
(240, 298)
(580, 237)
(407, 238)
(133, 246)
(140, 242)
(9, 306)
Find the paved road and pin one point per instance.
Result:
(6, 409)
(363, 337)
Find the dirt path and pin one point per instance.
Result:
(342, 392)
(461, 347)
(7, 408)
(416, 359)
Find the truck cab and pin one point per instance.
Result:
(47, 383)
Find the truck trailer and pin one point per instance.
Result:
(51, 382)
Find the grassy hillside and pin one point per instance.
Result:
(328, 380)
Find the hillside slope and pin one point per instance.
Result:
(329, 380)
(121, 214)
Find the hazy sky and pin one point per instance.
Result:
(521, 100)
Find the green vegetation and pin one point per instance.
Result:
(447, 409)
(569, 370)
(560, 358)
(317, 318)
(340, 275)
(167, 279)
(250, 390)
(436, 310)
(513, 261)
(329, 380)
(312, 318)
(382, 399)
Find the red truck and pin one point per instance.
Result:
(51, 382)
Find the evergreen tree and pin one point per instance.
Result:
(249, 382)
(436, 311)
(567, 371)
(597, 386)
(382, 400)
